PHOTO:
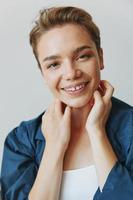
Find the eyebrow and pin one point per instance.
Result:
(77, 50)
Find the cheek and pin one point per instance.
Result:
(93, 71)
(52, 84)
(49, 79)
(95, 75)
(92, 66)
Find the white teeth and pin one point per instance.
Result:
(75, 88)
(79, 87)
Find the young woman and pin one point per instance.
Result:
(81, 147)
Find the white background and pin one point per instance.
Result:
(23, 94)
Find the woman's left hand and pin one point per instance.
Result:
(103, 154)
(101, 107)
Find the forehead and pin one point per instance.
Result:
(63, 38)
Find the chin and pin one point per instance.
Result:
(77, 103)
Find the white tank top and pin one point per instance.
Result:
(79, 184)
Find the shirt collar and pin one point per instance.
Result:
(39, 135)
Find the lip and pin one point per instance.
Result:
(77, 91)
(75, 85)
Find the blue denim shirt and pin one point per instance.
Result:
(25, 144)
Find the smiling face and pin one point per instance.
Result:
(70, 64)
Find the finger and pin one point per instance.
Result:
(101, 88)
(97, 97)
(67, 115)
(109, 91)
(50, 109)
(58, 108)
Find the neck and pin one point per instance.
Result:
(79, 117)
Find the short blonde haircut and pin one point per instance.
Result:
(53, 16)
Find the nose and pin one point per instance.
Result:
(71, 72)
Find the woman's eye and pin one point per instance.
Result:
(53, 65)
(84, 56)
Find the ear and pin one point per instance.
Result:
(101, 59)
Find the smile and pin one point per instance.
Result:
(77, 89)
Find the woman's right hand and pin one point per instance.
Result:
(56, 126)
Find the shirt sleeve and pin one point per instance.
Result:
(19, 168)
(119, 183)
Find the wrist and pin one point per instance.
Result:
(96, 130)
(54, 152)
